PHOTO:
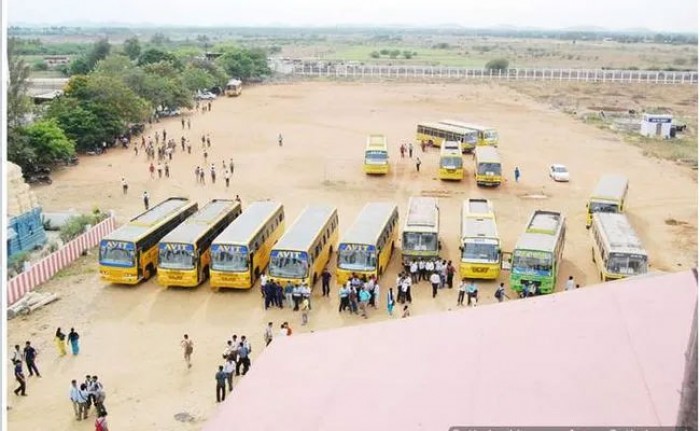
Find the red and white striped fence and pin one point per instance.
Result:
(47, 267)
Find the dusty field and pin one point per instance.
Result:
(130, 335)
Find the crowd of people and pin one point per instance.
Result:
(89, 393)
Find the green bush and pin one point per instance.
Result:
(75, 226)
(16, 263)
(497, 64)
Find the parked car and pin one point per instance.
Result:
(167, 112)
(205, 95)
(559, 172)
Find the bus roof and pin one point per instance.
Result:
(449, 147)
(377, 142)
(144, 222)
(234, 82)
(487, 154)
(243, 229)
(369, 224)
(536, 242)
(466, 125)
(479, 227)
(423, 214)
(305, 228)
(611, 186)
(477, 206)
(197, 224)
(445, 127)
(545, 222)
(618, 233)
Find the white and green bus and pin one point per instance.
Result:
(484, 135)
(617, 250)
(538, 252)
(420, 237)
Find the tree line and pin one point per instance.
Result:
(110, 88)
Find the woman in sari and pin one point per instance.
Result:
(73, 338)
(60, 340)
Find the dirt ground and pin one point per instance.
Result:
(130, 335)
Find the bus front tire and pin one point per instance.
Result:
(149, 272)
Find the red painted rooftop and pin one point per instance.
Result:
(612, 354)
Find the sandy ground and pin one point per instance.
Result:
(130, 335)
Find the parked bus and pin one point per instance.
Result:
(366, 247)
(484, 135)
(435, 133)
(233, 88)
(305, 249)
(183, 254)
(617, 250)
(487, 169)
(480, 243)
(451, 165)
(241, 252)
(420, 238)
(538, 252)
(376, 155)
(609, 196)
(130, 253)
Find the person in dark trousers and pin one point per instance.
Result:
(279, 295)
(417, 164)
(279, 139)
(517, 174)
(21, 380)
(220, 378)
(326, 282)
(435, 281)
(243, 358)
(182, 120)
(145, 200)
(450, 274)
(30, 358)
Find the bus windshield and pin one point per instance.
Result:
(451, 162)
(420, 241)
(289, 264)
(177, 256)
(470, 138)
(229, 258)
(117, 253)
(375, 157)
(488, 169)
(628, 264)
(356, 260)
(480, 252)
(603, 207)
(490, 135)
(532, 262)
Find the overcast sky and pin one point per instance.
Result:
(670, 15)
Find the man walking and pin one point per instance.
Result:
(435, 281)
(279, 139)
(462, 292)
(517, 174)
(145, 200)
(227, 178)
(570, 285)
(243, 358)
(220, 378)
(188, 348)
(417, 164)
(21, 380)
(500, 293)
(76, 400)
(17, 355)
(229, 369)
(472, 293)
(410, 150)
(30, 357)
(125, 186)
(326, 282)
(268, 334)
(230, 166)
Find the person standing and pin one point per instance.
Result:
(500, 293)
(220, 378)
(243, 358)
(76, 399)
(517, 174)
(296, 296)
(73, 338)
(230, 166)
(390, 301)
(21, 380)
(305, 311)
(402, 150)
(229, 369)
(410, 150)
(125, 186)
(227, 178)
(189, 124)
(17, 355)
(570, 284)
(146, 198)
(268, 334)
(101, 422)
(160, 170)
(152, 170)
(450, 274)
(418, 164)
(167, 170)
(364, 301)
(472, 293)
(326, 282)
(462, 292)
(182, 120)
(30, 355)
(188, 347)
(343, 293)
(288, 294)
(435, 281)
(279, 139)
(60, 340)
(421, 269)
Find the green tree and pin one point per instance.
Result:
(48, 141)
(86, 63)
(196, 79)
(159, 39)
(18, 103)
(245, 63)
(153, 55)
(78, 123)
(394, 53)
(497, 64)
(374, 54)
(132, 48)
(19, 151)
(407, 54)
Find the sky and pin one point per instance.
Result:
(666, 15)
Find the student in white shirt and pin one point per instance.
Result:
(229, 369)
(570, 284)
(435, 281)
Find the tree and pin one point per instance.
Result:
(195, 78)
(154, 55)
(245, 63)
(19, 151)
(132, 48)
(49, 143)
(18, 104)
(374, 54)
(497, 64)
(79, 124)
(159, 39)
(86, 63)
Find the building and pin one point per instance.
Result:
(56, 60)
(656, 125)
(608, 354)
(25, 228)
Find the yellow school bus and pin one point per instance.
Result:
(376, 155)
(184, 258)
(305, 249)
(451, 164)
(434, 134)
(367, 246)
(420, 236)
(242, 251)
(487, 169)
(130, 253)
(484, 135)
(617, 250)
(608, 197)
(480, 243)
(233, 88)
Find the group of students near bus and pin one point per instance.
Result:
(358, 294)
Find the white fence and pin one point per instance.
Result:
(434, 73)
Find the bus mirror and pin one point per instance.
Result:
(461, 248)
(439, 245)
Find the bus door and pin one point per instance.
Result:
(506, 260)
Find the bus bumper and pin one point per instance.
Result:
(488, 181)
(376, 170)
(229, 280)
(119, 276)
(177, 278)
(479, 271)
(451, 174)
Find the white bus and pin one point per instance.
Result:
(420, 237)
(617, 250)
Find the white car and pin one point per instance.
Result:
(559, 173)
(205, 95)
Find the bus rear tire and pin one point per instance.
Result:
(256, 274)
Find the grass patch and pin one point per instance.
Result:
(680, 150)
(79, 267)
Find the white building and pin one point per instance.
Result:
(656, 125)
